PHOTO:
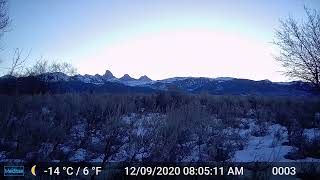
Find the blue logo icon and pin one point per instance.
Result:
(13, 170)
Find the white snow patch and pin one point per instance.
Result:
(312, 133)
(3, 155)
(65, 149)
(97, 159)
(137, 82)
(171, 80)
(78, 130)
(223, 78)
(120, 156)
(267, 148)
(284, 83)
(78, 156)
(254, 153)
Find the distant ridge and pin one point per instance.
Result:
(195, 85)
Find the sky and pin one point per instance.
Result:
(158, 38)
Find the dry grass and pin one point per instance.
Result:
(48, 119)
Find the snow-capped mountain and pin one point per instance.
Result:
(54, 77)
(224, 78)
(219, 85)
(126, 77)
(145, 79)
(96, 79)
(142, 81)
(108, 75)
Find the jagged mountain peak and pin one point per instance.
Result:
(145, 78)
(108, 74)
(126, 77)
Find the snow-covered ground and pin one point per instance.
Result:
(248, 141)
(270, 148)
(266, 148)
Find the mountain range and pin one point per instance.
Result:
(60, 83)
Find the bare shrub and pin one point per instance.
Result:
(261, 129)
(44, 66)
(189, 122)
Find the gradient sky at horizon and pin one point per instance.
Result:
(159, 38)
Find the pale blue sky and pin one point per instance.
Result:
(158, 38)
